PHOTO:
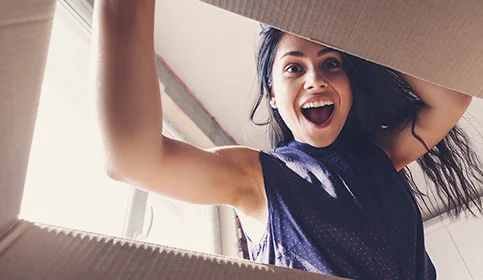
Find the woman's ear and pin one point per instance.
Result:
(273, 102)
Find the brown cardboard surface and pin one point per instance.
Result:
(24, 36)
(42, 252)
(439, 41)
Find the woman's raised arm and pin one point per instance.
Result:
(130, 116)
(441, 111)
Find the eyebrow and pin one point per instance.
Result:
(300, 54)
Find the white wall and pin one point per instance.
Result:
(456, 248)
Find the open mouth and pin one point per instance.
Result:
(319, 112)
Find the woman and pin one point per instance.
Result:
(329, 199)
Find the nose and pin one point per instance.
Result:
(315, 80)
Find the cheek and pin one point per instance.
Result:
(285, 95)
(285, 103)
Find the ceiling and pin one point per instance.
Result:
(213, 53)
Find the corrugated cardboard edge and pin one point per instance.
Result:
(45, 252)
(438, 42)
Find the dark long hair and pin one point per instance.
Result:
(383, 101)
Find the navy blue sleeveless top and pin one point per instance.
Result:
(343, 211)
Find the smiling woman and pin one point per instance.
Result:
(305, 74)
(329, 198)
(385, 105)
(300, 78)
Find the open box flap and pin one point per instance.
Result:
(438, 41)
(43, 252)
(25, 28)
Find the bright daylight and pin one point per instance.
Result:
(176, 139)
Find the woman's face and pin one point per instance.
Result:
(310, 90)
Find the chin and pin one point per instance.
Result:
(322, 139)
(321, 134)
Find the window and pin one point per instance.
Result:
(66, 185)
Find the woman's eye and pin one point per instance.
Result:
(331, 64)
(294, 68)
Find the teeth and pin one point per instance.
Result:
(317, 104)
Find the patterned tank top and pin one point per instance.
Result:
(342, 210)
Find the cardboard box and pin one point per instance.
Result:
(33, 251)
(438, 41)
